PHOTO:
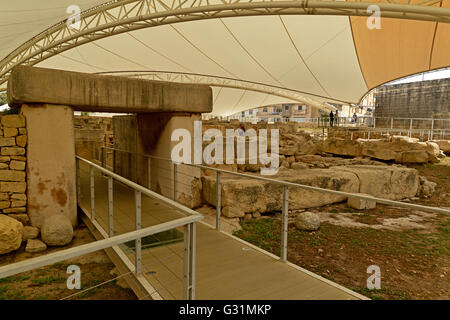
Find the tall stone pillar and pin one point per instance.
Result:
(51, 162)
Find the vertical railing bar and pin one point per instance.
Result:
(92, 180)
(110, 207)
(432, 128)
(78, 173)
(149, 173)
(138, 241)
(103, 156)
(175, 181)
(192, 268)
(284, 222)
(186, 267)
(219, 201)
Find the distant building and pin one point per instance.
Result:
(277, 113)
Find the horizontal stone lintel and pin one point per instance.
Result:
(101, 93)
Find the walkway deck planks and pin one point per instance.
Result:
(226, 268)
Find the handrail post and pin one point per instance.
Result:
(189, 262)
(284, 224)
(219, 201)
(78, 176)
(103, 156)
(149, 173)
(432, 128)
(110, 207)
(138, 241)
(410, 127)
(175, 178)
(91, 171)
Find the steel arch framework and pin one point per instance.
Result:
(224, 82)
(117, 17)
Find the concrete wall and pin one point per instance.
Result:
(51, 162)
(425, 99)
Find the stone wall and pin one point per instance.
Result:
(90, 134)
(425, 99)
(13, 163)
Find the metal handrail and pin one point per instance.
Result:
(137, 235)
(285, 184)
(293, 184)
(51, 258)
(140, 188)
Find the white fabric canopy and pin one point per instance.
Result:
(275, 58)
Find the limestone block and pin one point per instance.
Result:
(12, 175)
(30, 232)
(21, 217)
(11, 232)
(4, 204)
(361, 204)
(4, 196)
(413, 156)
(10, 132)
(389, 182)
(4, 159)
(17, 196)
(12, 151)
(3, 166)
(19, 158)
(18, 187)
(57, 230)
(7, 142)
(51, 162)
(232, 212)
(17, 165)
(35, 246)
(15, 210)
(21, 140)
(13, 121)
(22, 130)
(18, 203)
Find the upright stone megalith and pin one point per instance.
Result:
(51, 162)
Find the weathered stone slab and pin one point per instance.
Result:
(444, 145)
(51, 163)
(241, 195)
(89, 92)
(389, 182)
(399, 149)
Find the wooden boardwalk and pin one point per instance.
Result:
(226, 267)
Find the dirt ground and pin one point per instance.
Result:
(49, 283)
(411, 247)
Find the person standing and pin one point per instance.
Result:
(331, 118)
(336, 116)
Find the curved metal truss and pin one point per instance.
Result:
(121, 16)
(224, 82)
